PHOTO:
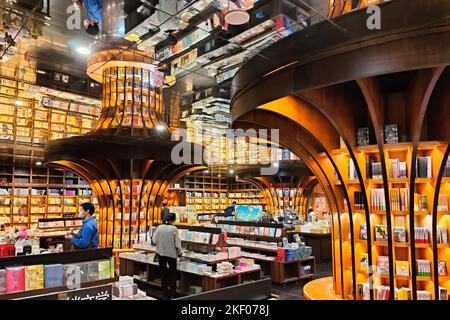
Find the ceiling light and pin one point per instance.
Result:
(48, 18)
(276, 164)
(47, 24)
(235, 15)
(231, 171)
(38, 163)
(160, 128)
(83, 50)
(206, 171)
(19, 103)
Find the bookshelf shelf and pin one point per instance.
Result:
(422, 245)
(380, 244)
(442, 245)
(401, 245)
(423, 180)
(423, 279)
(402, 277)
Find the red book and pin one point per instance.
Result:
(15, 279)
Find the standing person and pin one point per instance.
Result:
(165, 213)
(87, 237)
(94, 14)
(168, 247)
(311, 215)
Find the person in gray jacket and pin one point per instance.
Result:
(168, 247)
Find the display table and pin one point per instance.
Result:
(132, 264)
(320, 289)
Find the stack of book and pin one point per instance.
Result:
(423, 167)
(423, 268)
(442, 234)
(420, 202)
(397, 169)
(352, 174)
(359, 203)
(377, 172)
(382, 293)
(363, 291)
(443, 203)
(402, 294)
(447, 168)
(377, 199)
(399, 199)
(423, 295)
(421, 235)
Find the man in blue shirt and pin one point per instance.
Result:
(95, 15)
(87, 237)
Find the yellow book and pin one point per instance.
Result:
(34, 277)
(402, 268)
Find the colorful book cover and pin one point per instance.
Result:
(34, 277)
(54, 275)
(442, 268)
(363, 231)
(402, 268)
(363, 262)
(399, 234)
(383, 265)
(15, 279)
(381, 233)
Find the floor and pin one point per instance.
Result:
(291, 291)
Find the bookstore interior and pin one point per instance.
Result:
(300, 145)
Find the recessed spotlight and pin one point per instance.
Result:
(206, 171)
(231, 171)
(19, 103)
(39, 163)
(219, 175)
(48, 18)
(276, 164)
(83, 50)
(160, 128)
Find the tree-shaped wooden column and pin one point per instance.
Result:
(126, 158)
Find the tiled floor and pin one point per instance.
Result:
(294, 290)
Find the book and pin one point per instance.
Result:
(2, 281)
(34, 277)
(402, 268)
(442, 234)
(15, 279)
(362, 137)
(421, 235)
(442, 268)
(382, 292)
(383, 265)
(363, 231)
(402, 294)
(423, 167)
(53, 275)
(363, 262)
(399, 234)
(443, 295)
(381, 233)
(390, 134)
(363, 291)
(423, 268)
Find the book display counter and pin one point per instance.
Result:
(192, 278)
(74, 275)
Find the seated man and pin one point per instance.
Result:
(94, 12)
